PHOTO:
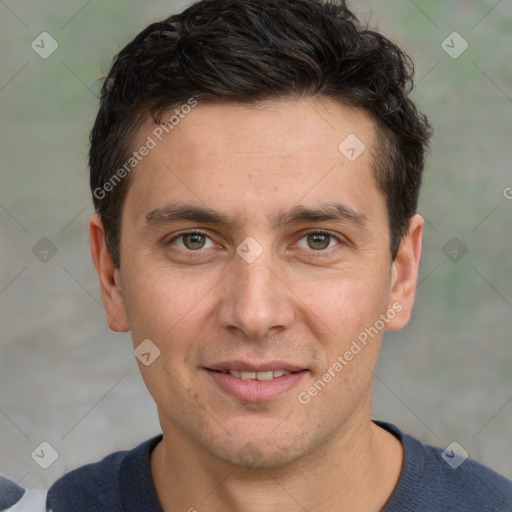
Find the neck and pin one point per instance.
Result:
(356, 470)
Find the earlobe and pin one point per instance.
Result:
(109, 277)
(404, 275)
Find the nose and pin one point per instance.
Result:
(255, 298)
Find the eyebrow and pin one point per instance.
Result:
(325, 212)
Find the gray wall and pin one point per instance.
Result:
(67, 380)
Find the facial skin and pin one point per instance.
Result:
(302, 301)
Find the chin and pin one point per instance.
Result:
(255, 456)
(261, 450)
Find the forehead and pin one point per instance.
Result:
(291, 127)
(250, 159)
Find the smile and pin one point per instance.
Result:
(256, 386)
(263, 375)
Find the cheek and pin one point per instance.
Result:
(171, 308)
(344, 304)
(168, 312)
(159, 302)
(342, 315)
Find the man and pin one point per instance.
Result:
(255, 168)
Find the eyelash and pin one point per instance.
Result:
(318, 253)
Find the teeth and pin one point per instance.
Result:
(266, 375)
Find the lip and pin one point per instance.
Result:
(246, 366)
(256, 390)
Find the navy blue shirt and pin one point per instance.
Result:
(121, 482)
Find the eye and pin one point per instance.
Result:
(319, 241)
(192, 241)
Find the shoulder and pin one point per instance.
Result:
(100, 486)
(14, 498)
(440, 479)
(91, 487)
(466, 484)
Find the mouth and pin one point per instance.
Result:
(256, 383)
(260, 375)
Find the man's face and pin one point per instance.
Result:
(260, 289)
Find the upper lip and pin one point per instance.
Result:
(246, 366)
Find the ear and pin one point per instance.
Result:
(404, 274)
(109, 276)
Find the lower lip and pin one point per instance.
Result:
(256, 390)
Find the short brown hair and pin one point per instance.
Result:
(245, 51)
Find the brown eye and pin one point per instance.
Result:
(192, 241)
(318, 241)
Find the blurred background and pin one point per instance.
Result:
(66, 380)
